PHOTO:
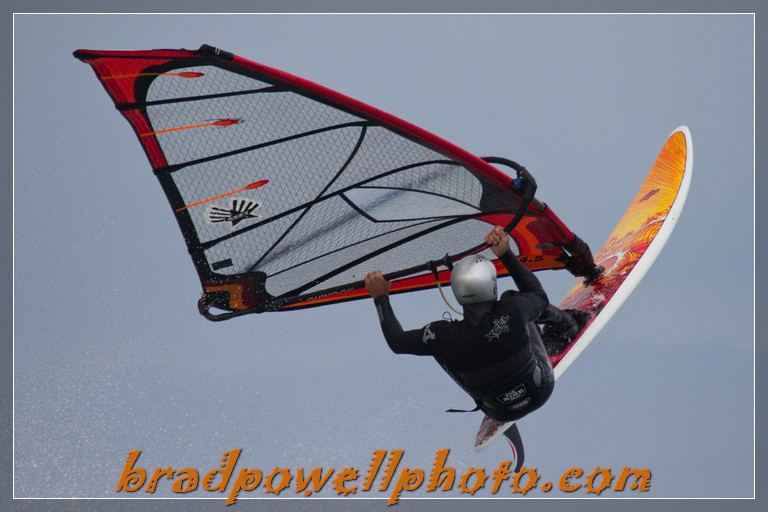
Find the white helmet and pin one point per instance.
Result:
(473, 280)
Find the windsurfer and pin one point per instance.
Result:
(496, 353)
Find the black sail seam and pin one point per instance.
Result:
(281, 271)
(352, 154)
(421, 191)
(290, 211)
(184, 99)
(373, 254)
(176, 167)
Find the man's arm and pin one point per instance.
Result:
(532, 300)
(399, 341)
(525, 280)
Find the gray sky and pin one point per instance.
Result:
(111, 355)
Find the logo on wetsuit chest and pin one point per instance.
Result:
(512, 395)
(500, 326)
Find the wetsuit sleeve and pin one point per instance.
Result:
(531, 301)
(400, 341)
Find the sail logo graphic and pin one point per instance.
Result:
(237, 211)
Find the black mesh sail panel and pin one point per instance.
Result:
(288, 193)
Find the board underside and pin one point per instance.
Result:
(627, 254)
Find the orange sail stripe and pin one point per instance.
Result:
(250, 186)
(180, 74)
(217, 122)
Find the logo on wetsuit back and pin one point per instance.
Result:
(512, 395)
(500, 326)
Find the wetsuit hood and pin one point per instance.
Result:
(473, 313)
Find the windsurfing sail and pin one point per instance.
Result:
(287, 193)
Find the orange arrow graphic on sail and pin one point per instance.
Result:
(217, 122)
(180, 74)
(251, 186)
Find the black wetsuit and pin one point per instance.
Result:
(495, 353)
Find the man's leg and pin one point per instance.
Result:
(559, 327)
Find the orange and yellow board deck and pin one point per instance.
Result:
(626, 256)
